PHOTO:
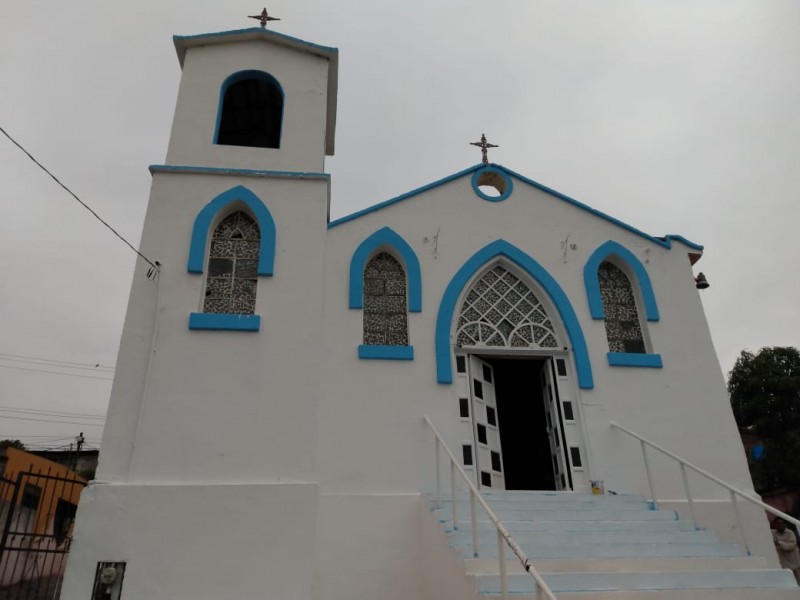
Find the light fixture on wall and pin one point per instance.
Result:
(700, 282)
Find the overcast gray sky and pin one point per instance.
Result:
(676, 116)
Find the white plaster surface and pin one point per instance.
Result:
(293, 403)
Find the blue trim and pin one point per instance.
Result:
(227, 171)
(224, 322)
(241, 76)
(476, 176)
(386, 352)
(592, 283)
(365, 250)
(402, 197)
(665, 241)
(259, 31)
(202, 223)
(447, 308)
(628, 359)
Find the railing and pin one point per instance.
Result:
(685, 464)
(503, 536)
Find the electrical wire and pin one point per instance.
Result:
(82, 203)
(51, 413)
(55, 372)
(47, 421)
(51, 362)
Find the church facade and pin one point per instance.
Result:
(265, 435)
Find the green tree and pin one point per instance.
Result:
(11, 444)
(765, 396)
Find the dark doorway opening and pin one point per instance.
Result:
(523, 425)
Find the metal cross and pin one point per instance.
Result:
(484, 146)
(264, 18)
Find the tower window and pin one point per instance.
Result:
(251, 111)
(233, 266)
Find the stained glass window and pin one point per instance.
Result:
(385, 306)
(623, 329)
(233, 266)
(501, 310)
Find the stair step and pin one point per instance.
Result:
(574, 526)
(526, 514)
(611, 551)
(546, 502)
(490, 566)
(704, 594)
(605, 582)
(543, 538)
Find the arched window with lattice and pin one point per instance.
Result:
(502, 310)
(623, 327)
(385, 311)
(233, 266)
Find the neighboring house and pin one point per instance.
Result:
(265, 435)
(39, 500)
(83, 462)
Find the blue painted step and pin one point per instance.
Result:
(463, 537)
(489, 550)
(599, 582)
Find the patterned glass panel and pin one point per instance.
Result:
(233, 266)
(501, 310)
(385, 307)
(623, 330)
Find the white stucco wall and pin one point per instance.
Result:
(237, 462)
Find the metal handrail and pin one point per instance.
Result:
(685, 464)
(542, 589)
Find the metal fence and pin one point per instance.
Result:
(37, 512)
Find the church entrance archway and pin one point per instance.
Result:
(517, 393)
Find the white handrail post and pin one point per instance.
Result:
(474, 520)
(739, 522)
(438, 475)
(453, 494)
(649, 475)
(501, 557)
(688, 494)
(539, 592)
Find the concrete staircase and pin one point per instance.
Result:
(610, 547)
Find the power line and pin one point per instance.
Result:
(67, 364)
(82, 203)
(50, 413)
(55, 372)
(46, 421)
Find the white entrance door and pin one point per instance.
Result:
(555, 428)
(486, 424)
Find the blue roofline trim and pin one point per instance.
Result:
(665, 241)
(592, 283)
(227, 171)
(447, 308)
(257, 30)
(402, 197)
(385, 237)
(241, 76)
(202, 223)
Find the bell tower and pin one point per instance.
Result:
(210, 434)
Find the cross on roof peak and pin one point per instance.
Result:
(484, 146)
(264, 18)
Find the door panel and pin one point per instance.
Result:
(555, 432)
(488, 453)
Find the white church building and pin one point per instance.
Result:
(267, 432)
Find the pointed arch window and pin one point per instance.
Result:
(233, 266)
(623, 330)
(233, 243)
(620, 293)
(385, 305)
(250, 111)
(502, 310)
